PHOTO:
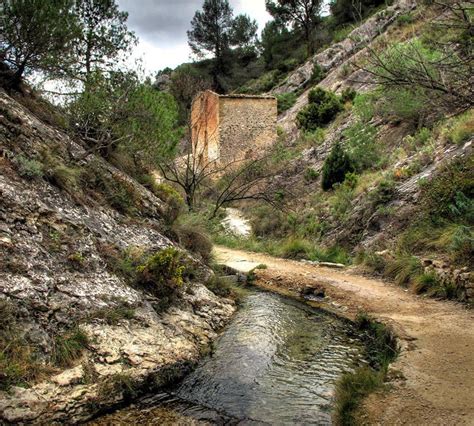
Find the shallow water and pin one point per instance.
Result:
(276, 363)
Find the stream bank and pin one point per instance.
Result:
(431, 382)
(277, 362)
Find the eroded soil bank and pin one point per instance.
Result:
(432, 381)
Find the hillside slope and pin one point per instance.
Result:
(81, 336)
(405, 210)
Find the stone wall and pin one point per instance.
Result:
(461, 280)
(205, 126)
(232, 127)
(246, 125)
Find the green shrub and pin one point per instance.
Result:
(371, 262)
(220, 287)
(450, 193)
(351, 389)
(317, 73)
(296, 248)
(195, 239)
(381, 344)
(342, 200)
(381, 349)
(404, 268)
(162, 275)
(313, 138)
(348, 95)
(18, 363)
(322, 108)
(310, 174)
(285, 101)
(29, 169)
(113, 315)
(361, 146)
(383, 193)
(419, 139)
(69, 346)
(174, 201)
(462, 129)
(458, 241)
(364, 105)
(405, 19)
(425, 282)
(335, 168)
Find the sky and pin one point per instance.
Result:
(161, 26)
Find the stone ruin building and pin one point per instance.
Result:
(229, 128)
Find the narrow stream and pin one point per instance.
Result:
(276, 363)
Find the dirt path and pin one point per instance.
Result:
(432, 381)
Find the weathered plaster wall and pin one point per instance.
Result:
(205, 126)
(232, 127)
(246, 126)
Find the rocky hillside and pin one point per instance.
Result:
(405, 209)
(85, 321)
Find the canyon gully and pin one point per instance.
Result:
(276, 363)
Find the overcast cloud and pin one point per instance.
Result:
(161, 26)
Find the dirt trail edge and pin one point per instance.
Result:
(432, 381)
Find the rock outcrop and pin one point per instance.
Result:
(54, 242)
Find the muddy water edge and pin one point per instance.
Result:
(277, 362)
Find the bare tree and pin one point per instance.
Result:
(226, 179)
(443, 70)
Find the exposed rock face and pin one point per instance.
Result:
(53, 271)
(339, 55)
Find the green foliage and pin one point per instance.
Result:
(381, 344)
(36, 35)
(29, 169)
(403, 268)
(282, 48)
(351, 389)
(426, 282)
(383, 193)
(162, 275)
(364, 105)
(214, 30)
(310, 174)
(114, 314)
(193, 237)
(461, 129)
(405, 19)
(305, 15)
(118, 112)
(173, 199)
(322, 107)
(381, 349)
(18, 363)
(341, 202)
(102, 41)
(348, 95)
(449, 195)
(286, 101)
(313, 138)
(77, 260)
(296, 249)
(361, 146)
(317, 74)
(335, 168)
(418, 140)
(69, 346)
(344, 11)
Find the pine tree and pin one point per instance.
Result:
(335, 168)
